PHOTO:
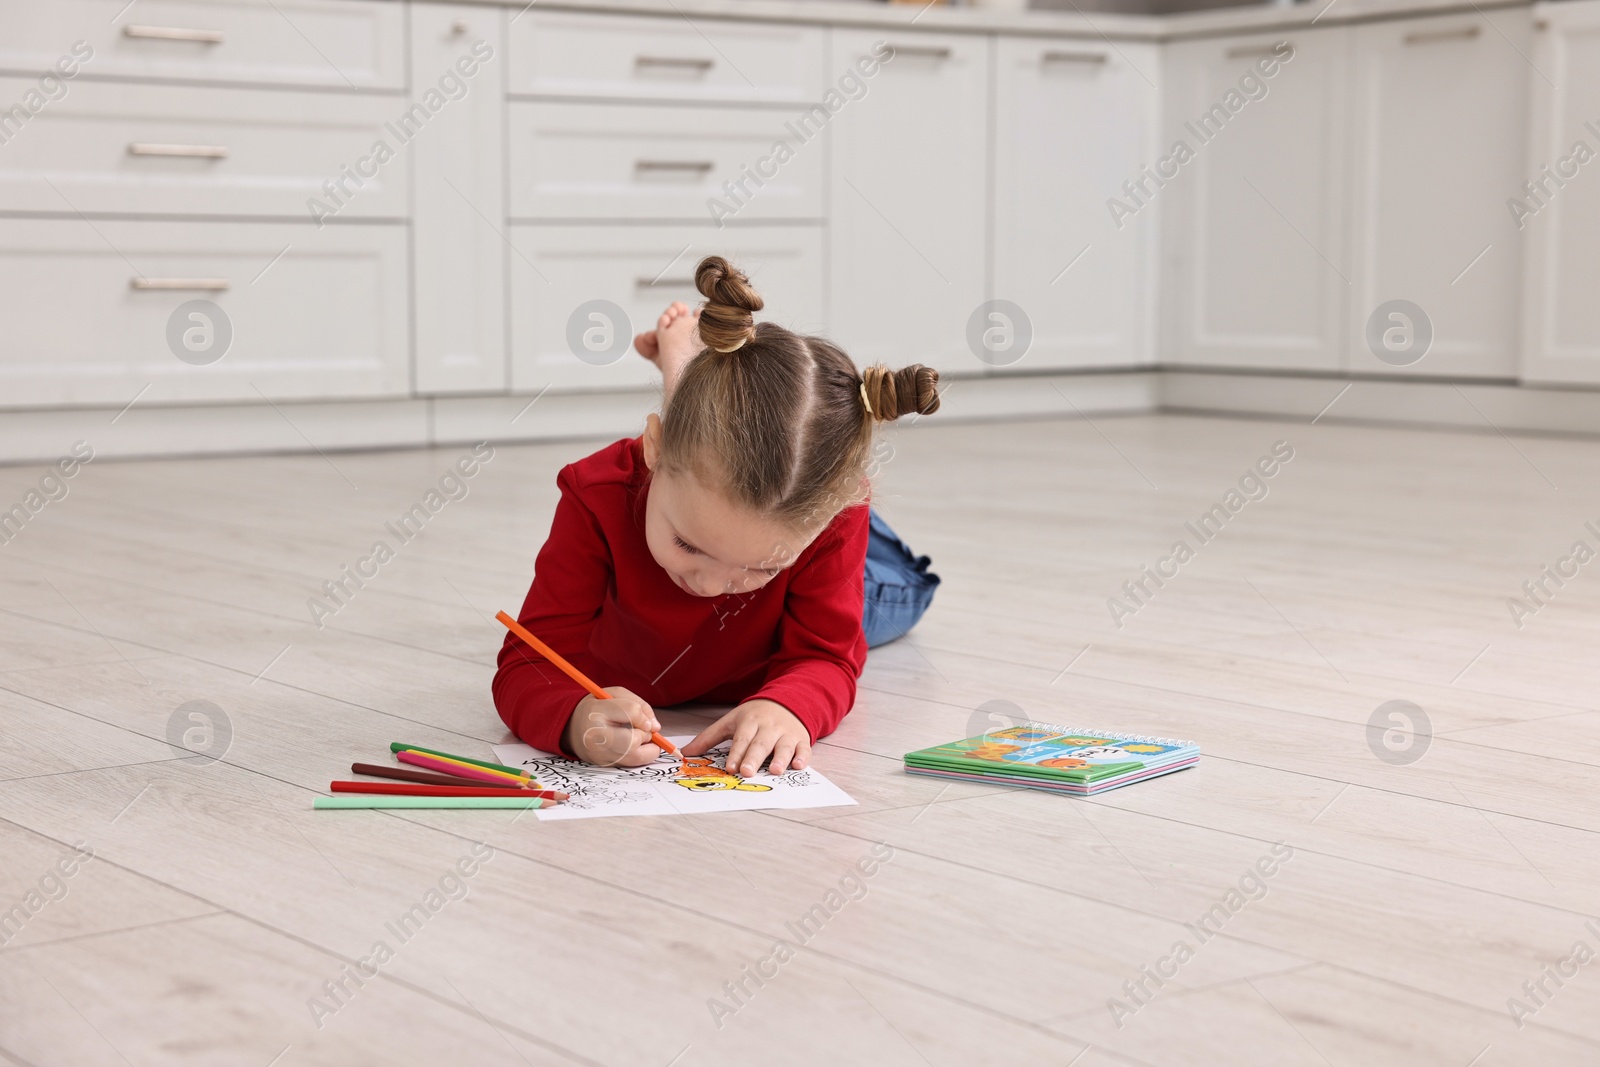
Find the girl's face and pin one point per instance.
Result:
(708, 545)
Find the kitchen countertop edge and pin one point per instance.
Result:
(1263, 18)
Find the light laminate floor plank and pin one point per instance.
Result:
(1376, 567)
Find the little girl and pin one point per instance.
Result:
(723, 556)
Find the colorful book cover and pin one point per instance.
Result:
(1055, 757)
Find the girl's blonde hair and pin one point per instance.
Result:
(782, 421)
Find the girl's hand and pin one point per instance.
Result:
(759, 728)
(615, 732)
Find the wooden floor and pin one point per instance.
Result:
(1419, 897)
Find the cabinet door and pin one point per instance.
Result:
(1256, 222)
(1561, 315)
(564, 336)
(907, 199)
(458, 216)
(1439, 110)
(1073, 121)
(97, 314)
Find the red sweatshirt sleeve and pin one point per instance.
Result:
(821, 648)
(572, 576)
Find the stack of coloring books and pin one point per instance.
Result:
(1041, 756)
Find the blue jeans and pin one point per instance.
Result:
(898, 585)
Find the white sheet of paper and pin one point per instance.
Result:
(667, 787)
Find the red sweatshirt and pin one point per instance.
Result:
(601, 600)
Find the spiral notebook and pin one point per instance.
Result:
(1039, 755)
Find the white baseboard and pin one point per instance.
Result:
(1488, 406)
(206, 430)
(145, 431)
(552, 417)
(1003, 396)
(342, 426)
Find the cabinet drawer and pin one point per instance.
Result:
(665, 58)
(175, 150)
(351, 44)
(557, 269)
(622, 161)
(327, 319)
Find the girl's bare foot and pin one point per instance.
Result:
(672, 344)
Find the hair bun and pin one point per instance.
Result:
(726, 321)
(893, 393)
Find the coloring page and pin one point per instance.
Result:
(668, 786)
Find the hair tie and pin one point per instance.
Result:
(735, 348)
(865, 402)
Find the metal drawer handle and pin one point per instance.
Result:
(193, 151)
(663, 283)
(681, 62)
(1465, 33)
(699, 166)
(926, 51)
(208, 284)
(173, 33)
(1073, 57)
(1246, 51)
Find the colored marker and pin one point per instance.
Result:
(517, 777)
(401, 774)
(348, 801)
(460, 770)
(397, 746)
(407, 789)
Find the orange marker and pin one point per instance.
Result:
(571, 672)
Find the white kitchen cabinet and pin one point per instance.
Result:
(89, 310)
(1438, 114)
(1561, 314)
(908, 199)
(1254, 220)
(572, 160)
(558, 272)
(1073, 121)
(340, 44)
(576, 164)
(459, 292)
